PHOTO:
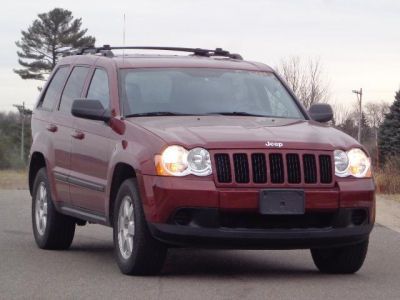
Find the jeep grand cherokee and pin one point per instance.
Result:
(204, 150)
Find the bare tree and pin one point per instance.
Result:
(341, 113)
(305, 79)
(375, 113)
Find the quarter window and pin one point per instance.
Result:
(99, 89)
(73, 88)
(54, 89)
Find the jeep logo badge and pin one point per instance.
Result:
(274, 144)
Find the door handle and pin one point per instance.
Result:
(51, 127)
(79, 135)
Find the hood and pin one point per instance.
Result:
(239, 132)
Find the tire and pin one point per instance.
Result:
(51, 229)
(136, 251)
(342, 260)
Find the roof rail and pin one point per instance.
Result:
(106, 50)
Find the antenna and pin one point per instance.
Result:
(123, 38)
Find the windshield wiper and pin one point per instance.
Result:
(237, 113)
(157, 113)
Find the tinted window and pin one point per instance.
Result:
(73, 88)
(54, 89)
(206, 91)
(99, 89)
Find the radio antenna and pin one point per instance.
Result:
(123, 38)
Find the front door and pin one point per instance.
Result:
(91, 150)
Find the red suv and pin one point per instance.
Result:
(203, 150)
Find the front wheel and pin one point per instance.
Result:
(136, 251)
(341, 260)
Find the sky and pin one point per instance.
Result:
(357, 41)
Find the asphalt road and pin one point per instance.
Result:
(88, 269)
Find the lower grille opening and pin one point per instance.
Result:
(358, 216)
(183, 217)
(257, 221)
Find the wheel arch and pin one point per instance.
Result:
(122, 171)
(37, 162)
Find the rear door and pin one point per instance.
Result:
(56, 141)
(91, 151)
(62, 120)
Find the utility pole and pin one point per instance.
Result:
(23, 112)
(359, 99)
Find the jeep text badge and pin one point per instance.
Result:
(274, 144)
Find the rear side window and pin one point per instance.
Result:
(99, 89)
(54, 89)
(73, 88)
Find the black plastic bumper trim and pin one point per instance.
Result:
(259, 239)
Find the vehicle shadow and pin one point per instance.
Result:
(228, 263)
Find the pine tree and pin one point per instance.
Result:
(389, 132)
(53, 30)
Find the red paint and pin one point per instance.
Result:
(135, 142)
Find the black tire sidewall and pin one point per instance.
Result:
(127, 188)
(41, 240)
(148, 255)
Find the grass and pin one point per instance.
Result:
(387, 182)
(13, 179)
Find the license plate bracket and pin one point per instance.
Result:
(282, 202)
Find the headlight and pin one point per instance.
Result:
(199, 162)
(177, 161)
(353, 162)
(341, 163)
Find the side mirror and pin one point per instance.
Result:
(90, 109)
(321, 112)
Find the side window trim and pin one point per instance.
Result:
(46, 87)
(57, 108)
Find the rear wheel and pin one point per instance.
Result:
(51, 229)
(341, 260)
(136, 251)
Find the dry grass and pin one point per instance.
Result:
(387, 183)
(13, 179)
(388, 178)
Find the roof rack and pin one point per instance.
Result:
(106, 51)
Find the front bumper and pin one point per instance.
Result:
(162, 196)
(259, 239)
(211, 228)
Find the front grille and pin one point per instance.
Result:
(310, 168)
(293, 168)
(277, 167)
(241, 168)
(223, 167)
(326, 168)
(259, 167)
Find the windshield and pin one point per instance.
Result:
(185, 91)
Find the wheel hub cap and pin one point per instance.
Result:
(126, 227)
(41, 209)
